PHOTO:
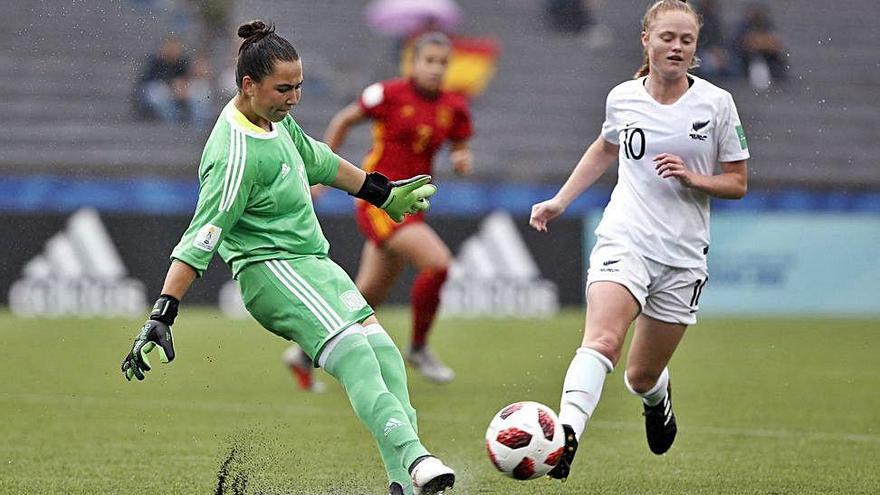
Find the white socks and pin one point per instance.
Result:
(658, 391)
(582, 388)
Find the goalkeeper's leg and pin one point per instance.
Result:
(391, 366)
(378, 270)
(352, 361)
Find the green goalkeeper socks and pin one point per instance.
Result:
(394, 376)
(355, 365)
(392, 367)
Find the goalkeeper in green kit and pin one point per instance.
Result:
(255, 209)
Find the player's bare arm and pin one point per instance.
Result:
(731, 183)
(349, 178)
(339, 125)
(462, 158)
(178, 280)
(595, 161)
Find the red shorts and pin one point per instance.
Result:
(376, 225)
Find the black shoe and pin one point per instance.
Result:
(561, 469)
(395, 489)
(660, 425)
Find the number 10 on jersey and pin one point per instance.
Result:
(629, 143)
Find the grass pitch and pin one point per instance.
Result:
(767, 406)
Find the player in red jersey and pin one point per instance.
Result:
(413, 118)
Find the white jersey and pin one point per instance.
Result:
(659, 218)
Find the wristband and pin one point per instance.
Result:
(375, 189)
(165, 309)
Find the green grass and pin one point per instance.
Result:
(764, 406)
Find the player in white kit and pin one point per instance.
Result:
(669, 132)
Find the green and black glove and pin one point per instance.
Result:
(156, 332)
(398, 198)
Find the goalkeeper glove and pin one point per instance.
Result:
(398, 198)
(156, 332)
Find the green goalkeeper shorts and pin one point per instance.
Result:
(306, 299)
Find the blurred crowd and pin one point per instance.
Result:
(185, 85)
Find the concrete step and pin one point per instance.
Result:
(131, 134)
(61, 108)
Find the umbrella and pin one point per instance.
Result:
(404, 17)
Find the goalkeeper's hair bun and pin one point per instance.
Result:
(255, 29)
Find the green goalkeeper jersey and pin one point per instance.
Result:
(254, 201)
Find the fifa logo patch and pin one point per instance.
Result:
(207, 237)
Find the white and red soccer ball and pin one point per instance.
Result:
(525, 440)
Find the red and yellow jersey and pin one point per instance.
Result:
(410, 127)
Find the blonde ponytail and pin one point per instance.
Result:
(644, 69)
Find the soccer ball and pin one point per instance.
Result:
(525, 440)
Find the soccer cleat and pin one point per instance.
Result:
(395, 489)
(562, 468)
(425, 362)
(660, 427)
(302, 369)
(430, 476)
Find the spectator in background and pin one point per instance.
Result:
(162, 89)
(715, 60)
(174, 89)
(758, 48)
(575, 17)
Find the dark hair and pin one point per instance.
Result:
(260, 50)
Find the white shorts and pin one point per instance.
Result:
(664, 292)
